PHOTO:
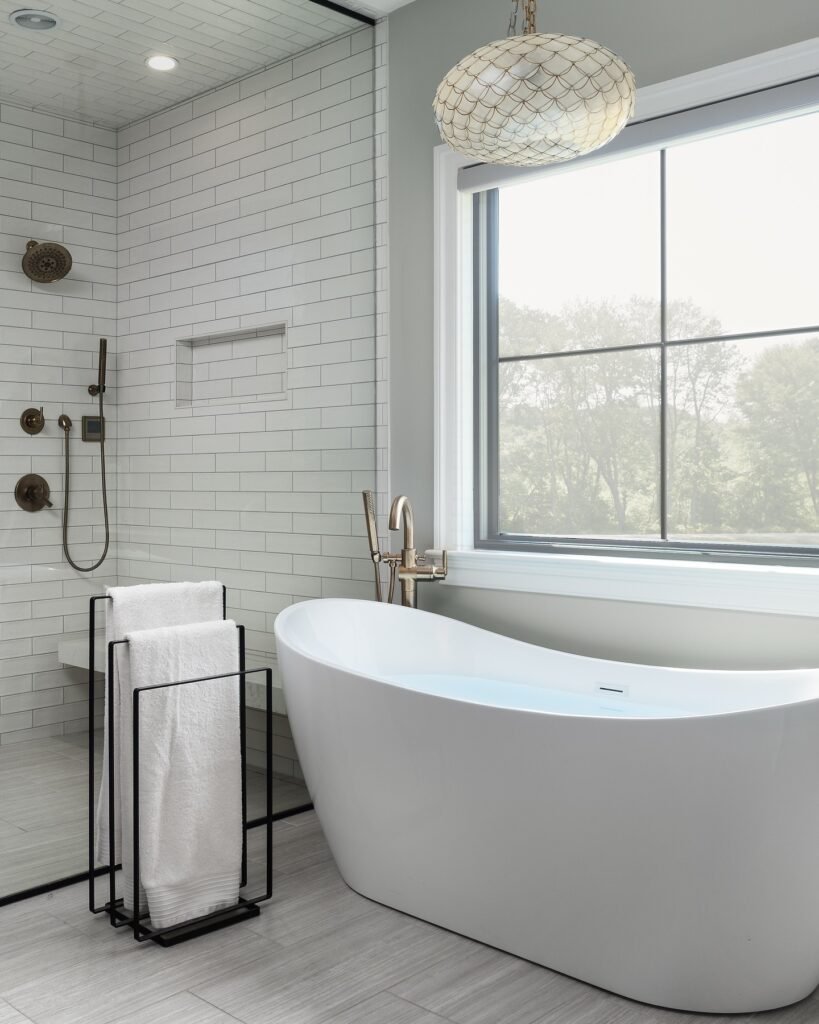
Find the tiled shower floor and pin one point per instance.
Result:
(43, 809)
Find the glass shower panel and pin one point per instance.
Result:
(44, 713)
(244, 219)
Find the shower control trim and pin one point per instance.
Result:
(32, 420)
(32, 493)
(92, 428)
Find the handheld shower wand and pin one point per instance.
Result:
(64, 422)
(379, 558)
(372, 537)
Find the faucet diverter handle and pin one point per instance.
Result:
(32, 420)
(435, 561)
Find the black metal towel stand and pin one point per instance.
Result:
(118, 915)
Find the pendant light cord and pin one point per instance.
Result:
(526, 10)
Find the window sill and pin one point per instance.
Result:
(775, 590)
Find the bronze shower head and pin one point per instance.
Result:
(46, 262)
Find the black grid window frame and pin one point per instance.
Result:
(487, 363)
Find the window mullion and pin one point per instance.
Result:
(492, 341)
(485, 292)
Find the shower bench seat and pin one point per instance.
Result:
(73, 651)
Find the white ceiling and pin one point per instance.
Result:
(92, 66)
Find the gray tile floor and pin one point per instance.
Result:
(319, 954)
(44, 809)
(43, 816)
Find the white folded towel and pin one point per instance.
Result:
(190, 772)
(145, 606)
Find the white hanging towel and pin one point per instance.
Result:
(145, 606)
(190, 771)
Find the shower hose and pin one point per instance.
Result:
(69, 559)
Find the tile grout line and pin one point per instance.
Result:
(29, 1020)
(424, 1009)
(207, 1002)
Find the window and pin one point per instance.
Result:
(647, 347)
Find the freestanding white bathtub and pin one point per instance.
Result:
(652, 831)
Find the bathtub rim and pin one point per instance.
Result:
(286, 613)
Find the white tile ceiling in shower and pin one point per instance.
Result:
(92, 66)
(376, 8)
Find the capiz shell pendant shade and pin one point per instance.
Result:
(534, 99)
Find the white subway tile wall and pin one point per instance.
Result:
(57, 182)
(237, 214)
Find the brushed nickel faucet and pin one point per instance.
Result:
(408, 567)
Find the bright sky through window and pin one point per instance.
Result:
(743, 230)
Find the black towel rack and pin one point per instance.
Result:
(114, 907)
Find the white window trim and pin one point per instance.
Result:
(754, 588)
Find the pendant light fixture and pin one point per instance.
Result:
(534, 98)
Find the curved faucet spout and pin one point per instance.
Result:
(412, 567)
(401, 508)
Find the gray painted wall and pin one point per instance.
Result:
(628, 631)
(660, 41)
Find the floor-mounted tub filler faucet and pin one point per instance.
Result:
(408, 567)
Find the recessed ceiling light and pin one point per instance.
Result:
(37, 21)
(161, 62)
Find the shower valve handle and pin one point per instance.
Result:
(32, 420)
(32, 493)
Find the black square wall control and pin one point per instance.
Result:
(92, 428)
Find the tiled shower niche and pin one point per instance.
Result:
(240, 366)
